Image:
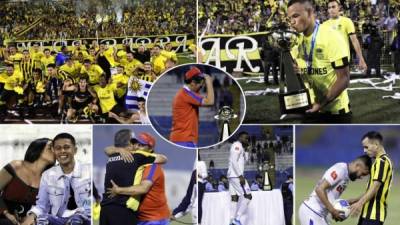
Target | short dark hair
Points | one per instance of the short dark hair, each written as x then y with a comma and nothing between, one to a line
35,149
87,61
52,65
365,159
243,133
46,49
122,138
64,136
141,99
300,1
373,135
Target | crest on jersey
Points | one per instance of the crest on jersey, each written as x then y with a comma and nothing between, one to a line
319,53
334,175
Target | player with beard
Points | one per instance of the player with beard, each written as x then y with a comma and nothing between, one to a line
316,207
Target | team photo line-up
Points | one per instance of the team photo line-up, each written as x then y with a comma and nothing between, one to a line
222,112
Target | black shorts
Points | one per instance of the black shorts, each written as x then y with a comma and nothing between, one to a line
79,105
363,221
117,109
7,95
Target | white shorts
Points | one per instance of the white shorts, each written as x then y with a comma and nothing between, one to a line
235,188
307,216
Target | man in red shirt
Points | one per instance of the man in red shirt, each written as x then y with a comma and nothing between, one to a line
185,107
153,209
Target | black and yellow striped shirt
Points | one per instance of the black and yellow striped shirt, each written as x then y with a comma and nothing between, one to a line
26,67
381,171
147,77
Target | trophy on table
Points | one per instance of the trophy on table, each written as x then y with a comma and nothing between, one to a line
225,114
295,99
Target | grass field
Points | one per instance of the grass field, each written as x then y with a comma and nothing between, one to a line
306,178
187,219
367,105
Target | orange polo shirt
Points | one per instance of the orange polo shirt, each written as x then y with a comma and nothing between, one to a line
154,206
185,116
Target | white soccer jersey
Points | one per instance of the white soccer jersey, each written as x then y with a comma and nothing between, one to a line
338,177
237,158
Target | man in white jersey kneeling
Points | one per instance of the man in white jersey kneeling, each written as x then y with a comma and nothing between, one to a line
238,186
315,209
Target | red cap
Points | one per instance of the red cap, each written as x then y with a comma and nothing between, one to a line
194,71
146,139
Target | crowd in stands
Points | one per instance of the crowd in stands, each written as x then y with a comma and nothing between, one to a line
83,19
246,16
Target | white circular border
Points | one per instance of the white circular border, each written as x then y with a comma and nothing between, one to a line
203,64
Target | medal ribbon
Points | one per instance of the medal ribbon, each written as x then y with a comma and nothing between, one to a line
309,57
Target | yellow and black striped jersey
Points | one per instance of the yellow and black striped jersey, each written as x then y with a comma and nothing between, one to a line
147,77
381,171
26,66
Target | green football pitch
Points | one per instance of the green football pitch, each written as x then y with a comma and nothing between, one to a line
306,178
187,219
367,105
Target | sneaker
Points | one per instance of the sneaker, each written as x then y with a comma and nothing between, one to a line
236,222
13,112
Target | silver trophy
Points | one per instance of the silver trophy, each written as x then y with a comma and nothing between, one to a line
225,114
293,95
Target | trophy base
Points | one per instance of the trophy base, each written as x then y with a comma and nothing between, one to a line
295,102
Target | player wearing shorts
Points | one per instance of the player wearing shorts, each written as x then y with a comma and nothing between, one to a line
185,107
314,210
82,97
238,186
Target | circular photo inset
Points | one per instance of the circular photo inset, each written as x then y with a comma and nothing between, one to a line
196,105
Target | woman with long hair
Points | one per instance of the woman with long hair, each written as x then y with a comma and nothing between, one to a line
20,179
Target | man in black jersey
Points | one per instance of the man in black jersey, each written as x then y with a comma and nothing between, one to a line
82,97
114,210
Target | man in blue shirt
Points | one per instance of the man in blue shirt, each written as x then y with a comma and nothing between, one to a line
62,56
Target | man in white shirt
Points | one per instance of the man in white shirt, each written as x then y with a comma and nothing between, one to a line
315,208
238,185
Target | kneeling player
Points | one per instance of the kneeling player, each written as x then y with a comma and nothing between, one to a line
82,97
315,209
